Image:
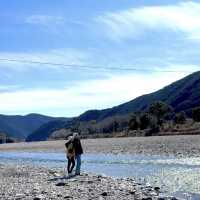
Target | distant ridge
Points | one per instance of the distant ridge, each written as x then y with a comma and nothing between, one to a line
20,127
43,132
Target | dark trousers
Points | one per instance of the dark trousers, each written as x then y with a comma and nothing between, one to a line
71,164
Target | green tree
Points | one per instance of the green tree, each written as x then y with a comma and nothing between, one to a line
115,126
145,120
180,118
159,110
134,123
196,114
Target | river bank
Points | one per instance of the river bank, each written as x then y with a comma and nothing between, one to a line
183,145
167,162
35,183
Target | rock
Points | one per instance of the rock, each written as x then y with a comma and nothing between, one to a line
156,188
146,198
90,182
104,194
153,193
39,197
61,184
19,196
68,197
173,198
132,192
44,192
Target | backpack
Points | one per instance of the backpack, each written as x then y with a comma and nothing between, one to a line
70,150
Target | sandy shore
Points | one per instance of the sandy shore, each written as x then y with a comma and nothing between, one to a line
35,183
185,145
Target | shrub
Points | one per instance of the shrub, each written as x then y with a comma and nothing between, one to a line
180,118
145,120
159,110
196,114
134,123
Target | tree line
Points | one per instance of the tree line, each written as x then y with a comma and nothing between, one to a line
157,114
147,123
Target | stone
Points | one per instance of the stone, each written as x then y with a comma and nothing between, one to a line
61,184
90,182
104,194
44,192
156,188
68,197
132,192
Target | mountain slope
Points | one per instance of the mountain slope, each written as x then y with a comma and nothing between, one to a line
46,129
21,126
182,95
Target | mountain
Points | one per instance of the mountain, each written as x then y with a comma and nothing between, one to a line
17,126
43,132
182,95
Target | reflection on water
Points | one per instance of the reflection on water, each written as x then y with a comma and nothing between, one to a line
174,175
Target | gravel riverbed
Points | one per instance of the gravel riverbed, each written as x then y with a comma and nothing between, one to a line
35,183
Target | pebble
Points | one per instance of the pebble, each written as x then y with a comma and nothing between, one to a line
104,194
61,184
68,197
37,198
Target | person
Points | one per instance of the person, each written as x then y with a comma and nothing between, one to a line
78,152
70,154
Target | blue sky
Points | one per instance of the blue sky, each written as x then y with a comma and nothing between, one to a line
156,35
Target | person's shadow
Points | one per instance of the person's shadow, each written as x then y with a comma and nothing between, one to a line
62,178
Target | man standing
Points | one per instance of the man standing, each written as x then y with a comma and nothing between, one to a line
78,152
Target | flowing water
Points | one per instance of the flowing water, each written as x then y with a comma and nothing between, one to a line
175,176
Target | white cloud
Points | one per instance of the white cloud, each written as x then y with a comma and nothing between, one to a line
93,94
183,17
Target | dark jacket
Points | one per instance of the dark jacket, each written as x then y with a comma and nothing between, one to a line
78,146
